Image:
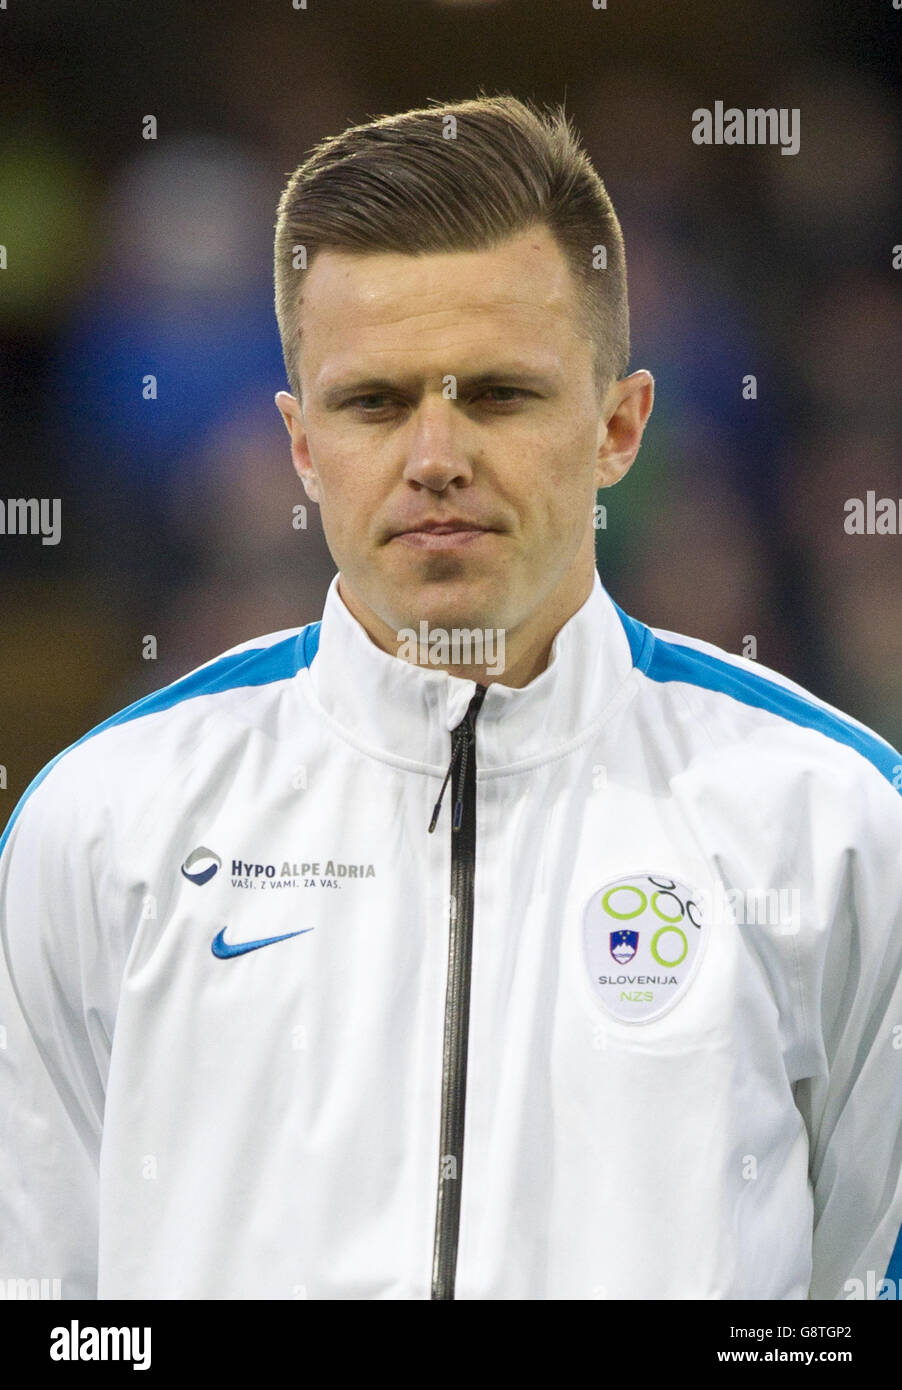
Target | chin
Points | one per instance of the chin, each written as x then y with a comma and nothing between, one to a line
462,620
441,593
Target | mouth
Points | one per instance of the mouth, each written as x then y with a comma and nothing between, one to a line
443,537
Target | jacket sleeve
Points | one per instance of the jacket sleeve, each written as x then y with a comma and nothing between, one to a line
54,1040
854,1109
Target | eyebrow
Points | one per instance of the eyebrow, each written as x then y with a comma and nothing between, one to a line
512,374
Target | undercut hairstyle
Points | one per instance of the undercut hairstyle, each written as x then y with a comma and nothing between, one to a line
461,176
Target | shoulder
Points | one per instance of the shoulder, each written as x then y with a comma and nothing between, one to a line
190,720
758,716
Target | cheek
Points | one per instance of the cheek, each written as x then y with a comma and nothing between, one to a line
351,499
341,478
564,493
568,473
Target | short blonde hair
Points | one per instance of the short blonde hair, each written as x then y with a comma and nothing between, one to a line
399,184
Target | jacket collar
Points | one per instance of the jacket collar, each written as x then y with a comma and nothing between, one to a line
401,712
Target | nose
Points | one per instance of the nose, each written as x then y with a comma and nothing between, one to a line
436,444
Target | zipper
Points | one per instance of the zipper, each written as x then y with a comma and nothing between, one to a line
457,996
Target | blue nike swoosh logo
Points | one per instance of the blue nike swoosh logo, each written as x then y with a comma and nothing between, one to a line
223,951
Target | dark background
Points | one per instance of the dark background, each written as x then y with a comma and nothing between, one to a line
129,256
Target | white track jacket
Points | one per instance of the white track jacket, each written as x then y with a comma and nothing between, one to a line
626,1024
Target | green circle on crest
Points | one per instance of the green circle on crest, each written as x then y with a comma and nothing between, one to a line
663,915
624,888
669,964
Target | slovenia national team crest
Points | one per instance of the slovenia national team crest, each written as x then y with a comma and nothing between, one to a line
643,936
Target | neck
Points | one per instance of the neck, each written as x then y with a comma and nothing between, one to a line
513,657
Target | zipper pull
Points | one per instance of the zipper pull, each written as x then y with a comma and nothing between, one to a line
460,738
438,804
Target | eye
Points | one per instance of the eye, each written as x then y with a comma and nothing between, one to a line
371,403
504,394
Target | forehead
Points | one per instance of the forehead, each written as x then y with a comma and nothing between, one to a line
390,303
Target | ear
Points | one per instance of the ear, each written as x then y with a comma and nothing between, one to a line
293,416
627,406
288,407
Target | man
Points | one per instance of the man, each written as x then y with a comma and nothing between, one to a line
478,941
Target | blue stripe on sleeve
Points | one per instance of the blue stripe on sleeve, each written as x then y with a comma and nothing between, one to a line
894,1268
665,661
256,666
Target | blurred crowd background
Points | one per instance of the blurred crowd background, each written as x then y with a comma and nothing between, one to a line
129,256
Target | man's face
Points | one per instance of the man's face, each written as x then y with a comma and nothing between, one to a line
451,388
